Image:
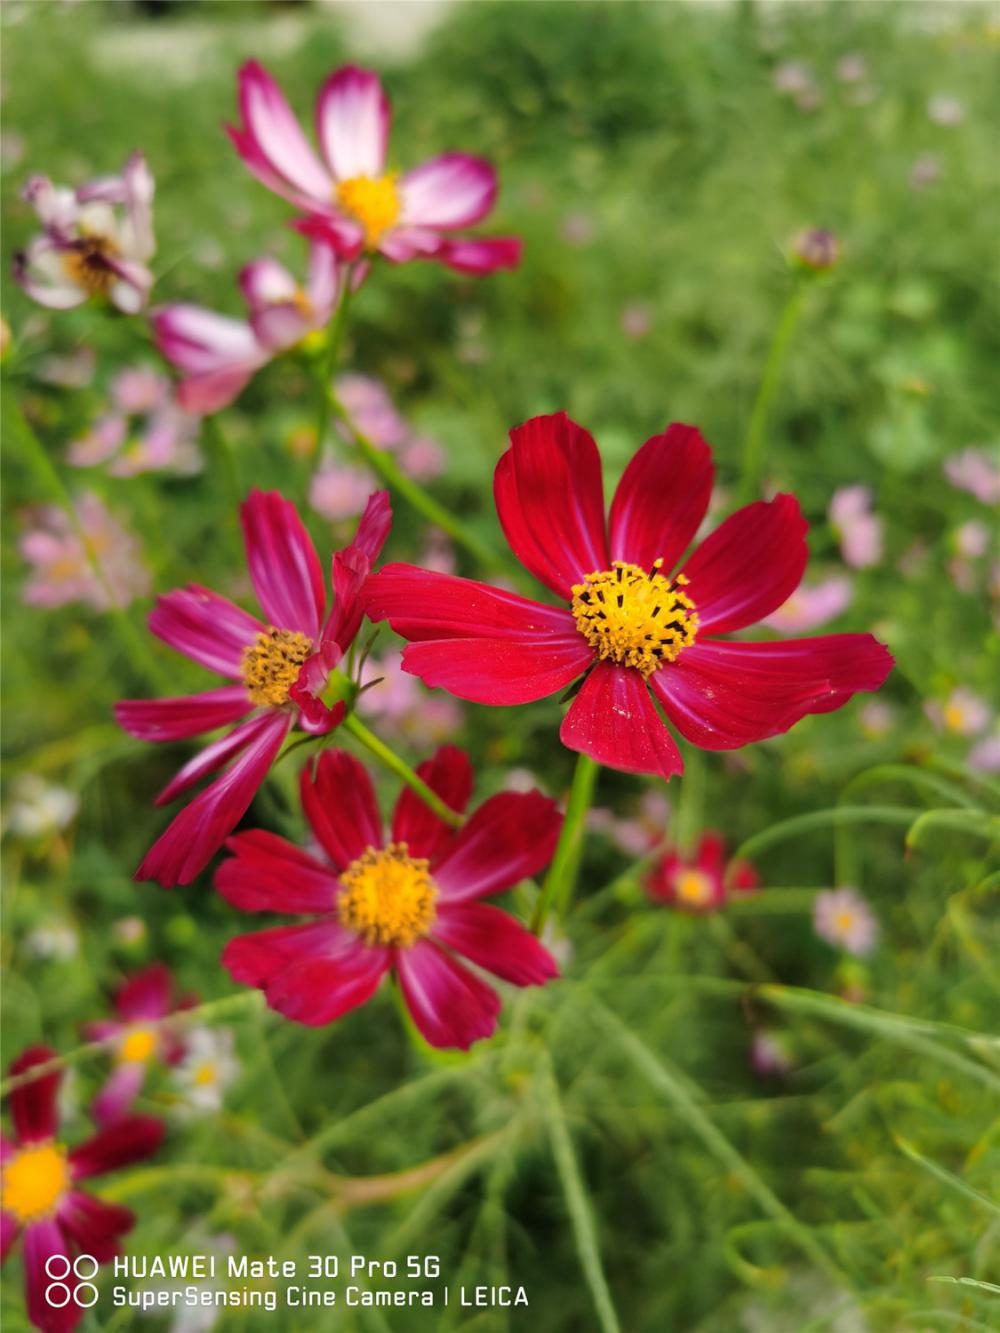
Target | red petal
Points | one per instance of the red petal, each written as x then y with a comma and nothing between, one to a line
749,566
148,994
339,801
268,874
449,775
480,255
495,941
212,756
352,566
115,1099
208,628
422,604
550,501
42,1240
723,695
499,671
33,1105
189,715
284,566
661,498
450,1006
711,853
614,720
121,1144
509,838
96,1226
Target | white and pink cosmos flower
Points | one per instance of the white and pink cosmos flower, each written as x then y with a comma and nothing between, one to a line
858,527
96,241
349,198
143,430
843,918
218,356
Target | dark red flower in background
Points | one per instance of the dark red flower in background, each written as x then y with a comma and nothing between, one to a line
633,630
699,881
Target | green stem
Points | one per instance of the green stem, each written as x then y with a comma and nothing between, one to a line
328,363
559,882
843,814
133,642
402,770
224,453
753,448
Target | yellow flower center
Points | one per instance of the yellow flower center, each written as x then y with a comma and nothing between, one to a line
138,1047
271,665
373,201
34,1181
205,1075
86,264
637,619
693,888
844,922
954,716
388,896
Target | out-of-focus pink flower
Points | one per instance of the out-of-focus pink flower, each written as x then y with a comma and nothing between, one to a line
635,320
640,832
349,198
404,707
876,718
373,412
817,248
857,527
340,491
843,918
438,553
61,570
985,757
972,539
578,229
962,713
770,1056
699,883
852,68
927,170
793,76
422,458
96,241
975,471
812,605
75,370
945,110
217,356
145,431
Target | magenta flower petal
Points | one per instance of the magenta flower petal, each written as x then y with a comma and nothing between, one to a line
121,1144
749,565
115,1098
148,994
353,117
661,499
253,959
189,715
450,1006
449,775
614,720
33,1105
266,873
352,566
265,282
509,838
188,844
480,256
339,801
499,671
275,136
344,236
211,758
42,1240
453,190
206,627
318,990
199,341
95,1226
495,941
211,391
550,501
284,567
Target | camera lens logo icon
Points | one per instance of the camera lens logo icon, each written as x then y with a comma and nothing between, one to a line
59,1292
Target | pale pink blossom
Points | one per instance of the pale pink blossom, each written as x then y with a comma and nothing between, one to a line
945,110
61,570
876,718
635,320
578,229
793,76
852,68
927,170
812,605
985,756
145,430
376,417
340,491
642,830
962,713
770,1055
844,919
976,471
972,539
406,708
858,529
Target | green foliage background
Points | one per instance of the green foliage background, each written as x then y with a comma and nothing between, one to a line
598,1173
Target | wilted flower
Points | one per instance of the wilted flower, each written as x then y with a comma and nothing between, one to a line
406,904
281,668
976,471
945,110
145,431
812,605
962,713
61,569
844,919
135,1038
627,625
38,809
97,241
40,1194
207,1069
857,527
816,249
699,881
351,201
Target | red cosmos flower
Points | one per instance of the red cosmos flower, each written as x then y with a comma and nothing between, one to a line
629,626
142,1001
352,202
407,904
280,668
40,1195
700,881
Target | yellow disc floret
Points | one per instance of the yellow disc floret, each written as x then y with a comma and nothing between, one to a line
34,1181
637,619
693,888
138,1047
271,665
86,264
388,896
373,201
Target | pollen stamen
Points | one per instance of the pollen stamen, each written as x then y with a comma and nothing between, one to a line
373,201
34,1180
635,618
87,265
388,896
271,665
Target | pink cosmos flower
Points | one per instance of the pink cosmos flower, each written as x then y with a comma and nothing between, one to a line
985,756
42,1201
812,605
145,430
844,919
96,241
140,1003
641,831
699,882
279,667
218,356
859,530
61,570
406,902
962,713
351,201
403,707
339,491
770,1056
626,625
976,471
